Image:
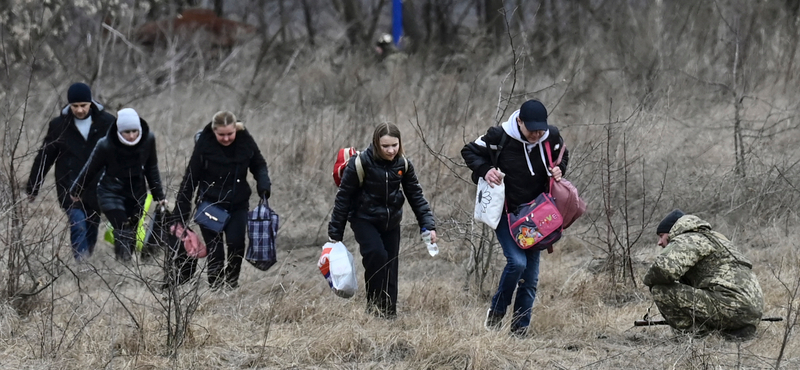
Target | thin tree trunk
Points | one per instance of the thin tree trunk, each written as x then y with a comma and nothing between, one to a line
218,7
351,11
309,22
411,26
494,20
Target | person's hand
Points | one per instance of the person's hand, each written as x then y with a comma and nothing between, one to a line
162,205
494,177
433,236
74,198
31,198
556,171
331,240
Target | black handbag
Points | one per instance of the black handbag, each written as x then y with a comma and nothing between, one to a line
211,216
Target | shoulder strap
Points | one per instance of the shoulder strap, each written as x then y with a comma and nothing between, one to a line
550,161
496,150
560,154
716,242
405,164
359,169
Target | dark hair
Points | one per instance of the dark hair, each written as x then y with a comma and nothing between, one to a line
382,130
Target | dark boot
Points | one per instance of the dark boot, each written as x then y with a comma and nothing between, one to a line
739,334
216,279
124,240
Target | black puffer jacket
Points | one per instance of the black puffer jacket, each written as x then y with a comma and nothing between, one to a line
521,186
123,169
379,199
65,147
220,173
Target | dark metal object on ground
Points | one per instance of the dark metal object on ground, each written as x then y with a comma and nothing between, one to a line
664,322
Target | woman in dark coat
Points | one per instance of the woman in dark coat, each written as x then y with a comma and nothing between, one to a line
223,153
374,206
125,159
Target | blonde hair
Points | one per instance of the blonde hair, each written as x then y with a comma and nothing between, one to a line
384,129
225,118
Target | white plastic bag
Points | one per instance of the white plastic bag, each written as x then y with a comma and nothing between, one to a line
489,203
336,264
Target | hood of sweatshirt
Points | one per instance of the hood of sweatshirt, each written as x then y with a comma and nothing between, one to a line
512,129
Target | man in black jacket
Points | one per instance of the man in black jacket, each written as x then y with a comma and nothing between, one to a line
70,139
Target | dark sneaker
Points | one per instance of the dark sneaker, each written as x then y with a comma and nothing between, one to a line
216,284
231,285
739,335
494,321
520,332
381,313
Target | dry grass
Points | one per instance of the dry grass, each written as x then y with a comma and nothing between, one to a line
287,318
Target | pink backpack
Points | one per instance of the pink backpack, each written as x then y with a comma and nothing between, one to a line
565,194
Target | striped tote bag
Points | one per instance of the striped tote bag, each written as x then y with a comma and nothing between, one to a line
262,228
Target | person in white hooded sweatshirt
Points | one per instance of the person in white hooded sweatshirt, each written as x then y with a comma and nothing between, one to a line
125,159
523,166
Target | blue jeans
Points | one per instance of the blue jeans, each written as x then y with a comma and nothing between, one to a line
521,273
82,232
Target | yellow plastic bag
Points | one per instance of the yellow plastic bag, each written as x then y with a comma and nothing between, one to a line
142,229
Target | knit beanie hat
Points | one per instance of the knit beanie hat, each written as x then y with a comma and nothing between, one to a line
666,224
128,119
79,93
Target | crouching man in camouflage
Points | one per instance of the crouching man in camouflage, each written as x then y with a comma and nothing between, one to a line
701,282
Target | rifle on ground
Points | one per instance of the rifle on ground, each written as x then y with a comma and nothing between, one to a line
664,322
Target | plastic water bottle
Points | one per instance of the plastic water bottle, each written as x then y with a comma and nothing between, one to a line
433,249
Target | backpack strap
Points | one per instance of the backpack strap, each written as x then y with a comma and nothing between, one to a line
495,154
359,169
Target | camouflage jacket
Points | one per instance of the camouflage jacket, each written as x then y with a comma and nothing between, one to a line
704,259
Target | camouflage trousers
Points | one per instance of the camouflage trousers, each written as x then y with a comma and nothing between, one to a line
689,309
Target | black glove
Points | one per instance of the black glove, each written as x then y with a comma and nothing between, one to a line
264,194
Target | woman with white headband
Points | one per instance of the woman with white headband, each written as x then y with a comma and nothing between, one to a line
127,164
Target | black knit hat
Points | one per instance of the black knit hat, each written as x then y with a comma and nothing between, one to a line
666,224
79,93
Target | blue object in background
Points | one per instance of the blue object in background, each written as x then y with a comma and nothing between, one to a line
397,21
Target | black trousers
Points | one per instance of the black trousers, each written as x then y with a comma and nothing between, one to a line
124,222
379,255
235,233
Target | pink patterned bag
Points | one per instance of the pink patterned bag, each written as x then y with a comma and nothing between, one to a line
536,224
